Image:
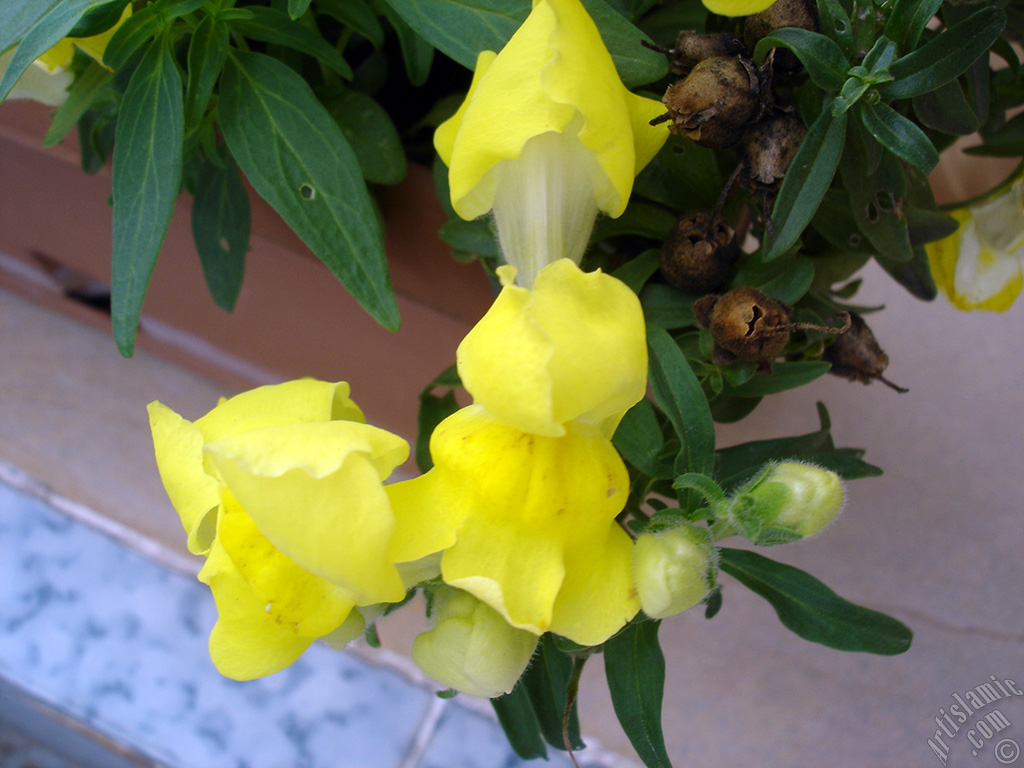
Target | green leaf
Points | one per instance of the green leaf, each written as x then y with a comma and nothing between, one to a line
835,22
49,24
146,178
99,19
821,56
729,410
637,271
944,57
433,410
357,15
519,721
221,222
638,438
915,275
736,463
206,56
786,278
462,29
908,20
280,135
946,110
642,219
476,236
899,135
371,134
81,95
172,9
682,176
812,610
297,7
848,466
635,668
667,307
678,392
417,53
131,36
807,180
876,196
547,681
273,26
783,376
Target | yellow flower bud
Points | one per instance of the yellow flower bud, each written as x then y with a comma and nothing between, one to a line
471,648
673,569
573,348
797,497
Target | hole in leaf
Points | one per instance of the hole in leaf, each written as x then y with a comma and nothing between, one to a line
871,212
854,240
886,201
840,26
307,192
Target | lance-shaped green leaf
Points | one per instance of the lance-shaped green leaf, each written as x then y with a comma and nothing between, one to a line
547,684
807,180
946,110
297,7
99,19
635,668
639,440
876,196
915,275
907,21
371,134
16,19
461,30
273,26
131,36
355,14
820,55
519,721
220,227
944,57
81,95
50,25
812,610
206,56
899,135
146,177
298,160
417,52
783,376
678,392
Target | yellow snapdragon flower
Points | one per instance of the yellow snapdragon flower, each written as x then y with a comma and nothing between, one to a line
547,136
572,348
282,488
526,523
979,265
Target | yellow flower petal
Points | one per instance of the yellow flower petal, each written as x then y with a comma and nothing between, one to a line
179,457
979,265
246,642
297,600
737,7
573,348
538,541
553,69
315,491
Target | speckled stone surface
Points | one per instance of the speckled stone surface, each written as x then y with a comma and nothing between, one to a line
117,643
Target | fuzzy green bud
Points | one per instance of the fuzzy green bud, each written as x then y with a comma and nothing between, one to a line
471,648
792,500
673,569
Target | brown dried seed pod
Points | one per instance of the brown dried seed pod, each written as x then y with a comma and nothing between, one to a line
691,48
781,13
699,253
715,102
769,147
856,355
748,325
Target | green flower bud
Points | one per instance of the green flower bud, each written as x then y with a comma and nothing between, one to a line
673,569
471,648
792,500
